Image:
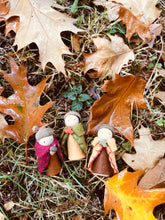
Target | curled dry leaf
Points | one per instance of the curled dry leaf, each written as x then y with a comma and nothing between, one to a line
114,107
128,200
23,106
148,151
132,22
12,24
41,24
154,177
109,57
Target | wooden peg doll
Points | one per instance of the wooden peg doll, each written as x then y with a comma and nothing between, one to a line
48,151
102,160
73,137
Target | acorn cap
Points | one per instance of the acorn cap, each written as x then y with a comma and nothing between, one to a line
105,126
72,113
43,132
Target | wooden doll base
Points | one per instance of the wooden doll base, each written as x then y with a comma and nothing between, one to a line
74,151
101,165
54,166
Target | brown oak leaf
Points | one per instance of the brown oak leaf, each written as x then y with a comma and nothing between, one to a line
114,107
109,57
130,201
23,106
132,22
148,151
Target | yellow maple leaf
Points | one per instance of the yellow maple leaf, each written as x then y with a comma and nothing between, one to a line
128,200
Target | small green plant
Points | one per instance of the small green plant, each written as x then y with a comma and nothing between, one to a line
74,7
153,62
160,122
75,94
117,28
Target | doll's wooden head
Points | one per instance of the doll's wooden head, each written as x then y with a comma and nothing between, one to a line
44,136
72,118
105,132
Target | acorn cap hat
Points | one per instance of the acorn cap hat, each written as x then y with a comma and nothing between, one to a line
72,113
44,132
105,126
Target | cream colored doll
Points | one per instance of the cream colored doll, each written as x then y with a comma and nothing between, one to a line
73,137
102,160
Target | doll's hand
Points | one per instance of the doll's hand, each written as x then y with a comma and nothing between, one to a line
53,150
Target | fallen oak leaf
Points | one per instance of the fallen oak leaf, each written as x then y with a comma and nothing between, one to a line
114,107
109,57
128,200
145,10
23,106
155,177
134,25
41,24
132,22
148,151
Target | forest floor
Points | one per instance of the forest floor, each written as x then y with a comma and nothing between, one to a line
75,192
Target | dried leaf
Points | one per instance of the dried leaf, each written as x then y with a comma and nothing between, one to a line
23,106
145,10
4,7
114,107
9,205
128,200
148,151
75,42
109,57
12,24
134,25
161,72
132,22
161,95
154,177
155,30
2,217
3,122
41,24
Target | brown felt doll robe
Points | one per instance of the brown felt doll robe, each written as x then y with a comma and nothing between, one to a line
102,160
73,137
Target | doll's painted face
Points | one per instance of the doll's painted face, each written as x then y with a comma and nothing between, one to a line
71,120
46,141
104,133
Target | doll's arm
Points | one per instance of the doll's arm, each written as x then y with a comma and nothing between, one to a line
112,144
53,150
